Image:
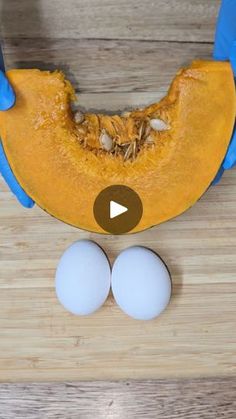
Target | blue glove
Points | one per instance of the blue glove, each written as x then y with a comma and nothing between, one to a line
7,100
225,49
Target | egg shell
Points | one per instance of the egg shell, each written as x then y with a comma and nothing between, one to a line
141,283
83,278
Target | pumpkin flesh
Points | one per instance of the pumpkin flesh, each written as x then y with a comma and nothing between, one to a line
61,165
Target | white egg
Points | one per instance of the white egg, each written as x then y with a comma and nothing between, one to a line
83,278
141,283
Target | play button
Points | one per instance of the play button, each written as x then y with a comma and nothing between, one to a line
118,209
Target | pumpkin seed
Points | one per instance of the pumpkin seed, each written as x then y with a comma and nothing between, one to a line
79,117
147,131
149,140
158,125
106,141
134,150
125,114
142,130
129,152
124,145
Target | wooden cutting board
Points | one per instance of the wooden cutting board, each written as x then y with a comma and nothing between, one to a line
194,337
119,61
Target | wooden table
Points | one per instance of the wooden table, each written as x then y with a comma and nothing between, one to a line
118,55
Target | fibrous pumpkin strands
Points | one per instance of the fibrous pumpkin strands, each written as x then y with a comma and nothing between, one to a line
124,126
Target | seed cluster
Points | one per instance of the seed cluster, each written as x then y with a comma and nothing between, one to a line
127,150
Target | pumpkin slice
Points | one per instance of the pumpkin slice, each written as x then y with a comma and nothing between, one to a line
169,153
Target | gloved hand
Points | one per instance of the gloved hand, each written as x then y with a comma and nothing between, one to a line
7,100
225,49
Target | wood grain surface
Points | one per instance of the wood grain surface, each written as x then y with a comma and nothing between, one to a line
105,66
118,54
194,337
180,20
195,399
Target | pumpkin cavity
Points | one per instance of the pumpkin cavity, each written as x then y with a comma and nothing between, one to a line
120,136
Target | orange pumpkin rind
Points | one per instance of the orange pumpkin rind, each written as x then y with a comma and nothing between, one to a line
63,164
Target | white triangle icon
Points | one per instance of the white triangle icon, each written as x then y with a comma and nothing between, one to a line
116,209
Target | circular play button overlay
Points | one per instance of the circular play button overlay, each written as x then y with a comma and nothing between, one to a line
118,209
